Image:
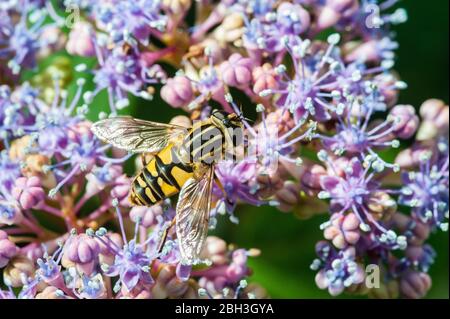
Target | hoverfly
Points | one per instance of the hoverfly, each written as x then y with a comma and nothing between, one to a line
183,162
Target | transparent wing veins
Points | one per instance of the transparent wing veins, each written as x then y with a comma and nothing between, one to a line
192,216
137,136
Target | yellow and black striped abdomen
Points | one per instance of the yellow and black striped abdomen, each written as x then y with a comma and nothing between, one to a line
163,177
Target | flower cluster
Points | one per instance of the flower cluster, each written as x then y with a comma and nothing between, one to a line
328,136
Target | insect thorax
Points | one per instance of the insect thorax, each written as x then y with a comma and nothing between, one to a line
208,143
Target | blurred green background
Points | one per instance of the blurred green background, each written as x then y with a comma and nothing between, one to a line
287,243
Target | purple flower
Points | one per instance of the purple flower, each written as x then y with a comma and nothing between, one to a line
307,92
258,8
426,192
125,21
338,270
121,73
354,136
50,124
132,261
131,265
49,269
92,287
20,43
17,110
355,192
210,86
237,180
421,257
10,172
10,213
266,144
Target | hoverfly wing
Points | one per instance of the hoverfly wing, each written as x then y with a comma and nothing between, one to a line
137,136
192,216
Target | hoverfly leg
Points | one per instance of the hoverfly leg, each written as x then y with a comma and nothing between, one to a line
164,236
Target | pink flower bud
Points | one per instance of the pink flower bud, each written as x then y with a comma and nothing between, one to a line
435,116
18,268
237,71
419,232
312,176
167,284
288,196
280,120
415,253
264,78
83,250
178,91
343,230
53,39
334,10
28,192
268,184
415,285
81,40
238,267
121,189
147,216
7,249
406,121
215,249
33,250
214,285
434,110
411,157
107,256
386,84
366,51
